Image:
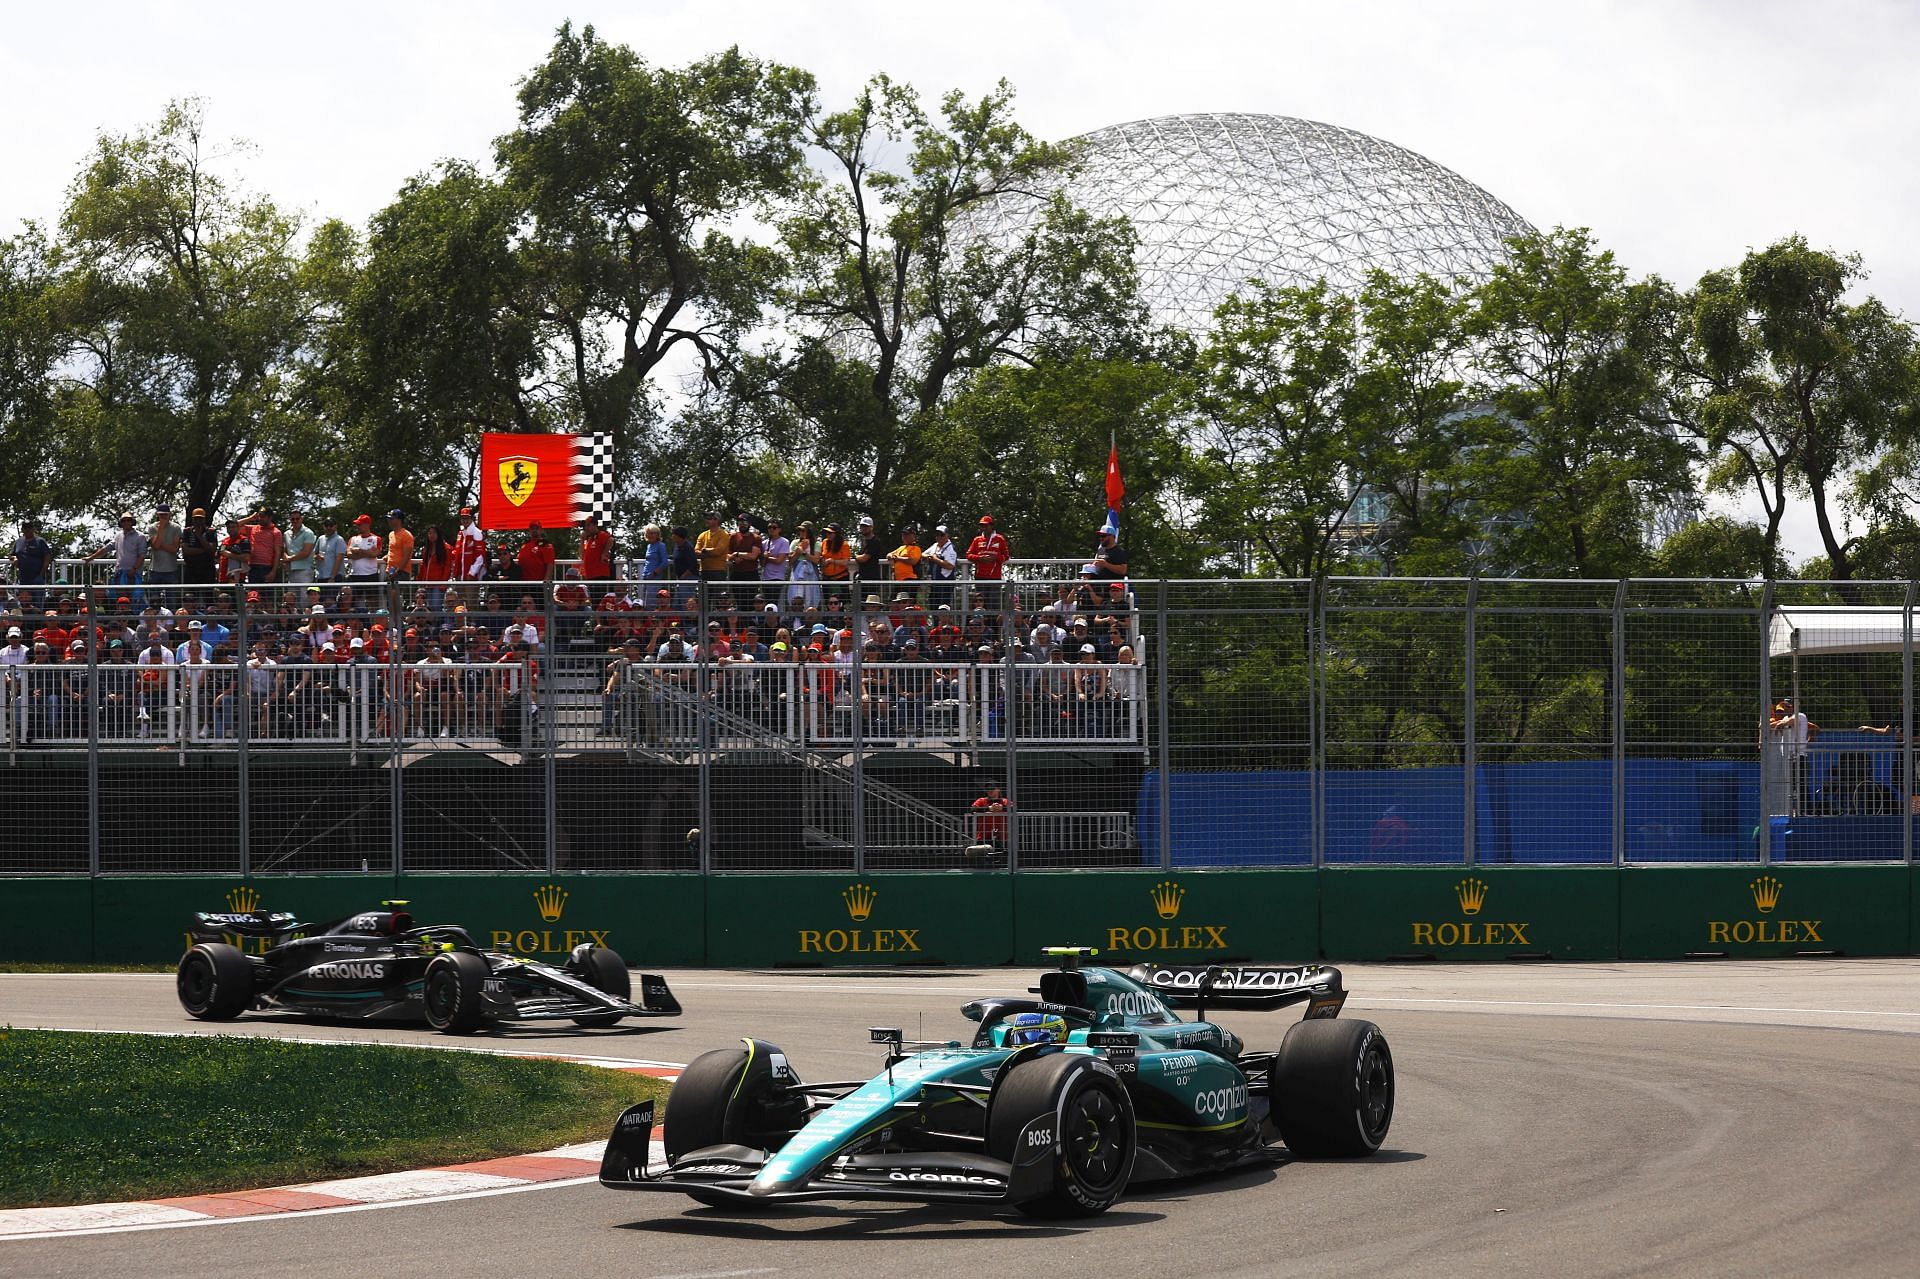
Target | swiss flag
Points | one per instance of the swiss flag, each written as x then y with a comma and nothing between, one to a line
524,478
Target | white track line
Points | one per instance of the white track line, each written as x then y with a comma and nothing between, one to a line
1371,1000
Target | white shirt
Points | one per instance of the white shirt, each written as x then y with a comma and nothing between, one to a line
14,654
363,552
260,674
946,560
770,571
148,657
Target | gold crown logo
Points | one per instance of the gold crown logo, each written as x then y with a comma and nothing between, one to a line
1472,894
859,899
243,900
1167,896
551,899
1766,893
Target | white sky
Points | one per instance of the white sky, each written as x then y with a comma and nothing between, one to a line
1682,133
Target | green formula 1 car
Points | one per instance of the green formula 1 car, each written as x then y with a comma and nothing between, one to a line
1056,1107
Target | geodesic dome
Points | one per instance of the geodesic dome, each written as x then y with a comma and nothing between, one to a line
1218,200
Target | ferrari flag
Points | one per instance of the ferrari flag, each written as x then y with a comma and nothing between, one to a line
1115,489
553,480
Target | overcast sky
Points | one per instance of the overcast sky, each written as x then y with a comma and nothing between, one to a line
1683,134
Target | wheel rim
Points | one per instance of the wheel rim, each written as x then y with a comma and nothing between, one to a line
1376,1094
1095,1138
196,983
442,998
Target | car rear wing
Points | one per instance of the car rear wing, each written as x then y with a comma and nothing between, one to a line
213,926
1247,986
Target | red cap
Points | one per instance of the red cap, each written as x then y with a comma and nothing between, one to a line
986,519
466,510
253,597
363,519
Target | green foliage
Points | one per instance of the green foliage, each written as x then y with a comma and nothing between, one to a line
89,1117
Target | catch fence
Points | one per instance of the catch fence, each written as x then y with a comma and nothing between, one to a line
603,726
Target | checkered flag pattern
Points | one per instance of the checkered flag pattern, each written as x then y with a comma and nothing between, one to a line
593,478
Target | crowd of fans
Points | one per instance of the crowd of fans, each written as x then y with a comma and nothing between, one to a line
455,629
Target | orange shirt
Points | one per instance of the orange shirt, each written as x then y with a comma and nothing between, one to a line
399,551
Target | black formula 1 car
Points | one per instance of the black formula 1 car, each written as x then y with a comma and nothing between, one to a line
380,966
1056,1107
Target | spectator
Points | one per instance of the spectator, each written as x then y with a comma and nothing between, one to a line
596,551
712,548
1109,557
656,561
1787,735
236,549
297,556
836,557
990,816
330,552
988,553
31,557
1091,696
683,566
399,547
744,552
941,565
363,552
621,695
905,558
866,555
129,547
535,556
803,566
469,549
1391,834
776,555
436,565
438,695
163,550
199,550
266,544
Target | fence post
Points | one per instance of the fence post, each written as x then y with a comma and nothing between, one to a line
395,706
1317,718
1470,748
550,720
243,732
93,739
856,707
1905,786
1766,739
1619,834
703,721
1010,730
1163,719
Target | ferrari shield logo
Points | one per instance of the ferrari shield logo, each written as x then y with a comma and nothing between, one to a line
518,475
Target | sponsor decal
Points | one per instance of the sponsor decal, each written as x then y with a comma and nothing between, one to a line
550,901
948,1178
713,1168
640,1116
1039,1137
1471,894
244,899
860,900
518,475
1167,897
242,904
1221,1104
344,970
1232,978
1767,893
1134,1003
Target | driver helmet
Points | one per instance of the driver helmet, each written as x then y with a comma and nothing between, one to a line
1035,1028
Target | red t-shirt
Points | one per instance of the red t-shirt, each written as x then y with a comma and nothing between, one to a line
987,824
535,559
596,557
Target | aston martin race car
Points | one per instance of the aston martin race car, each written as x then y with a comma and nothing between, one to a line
1056,1106
380,966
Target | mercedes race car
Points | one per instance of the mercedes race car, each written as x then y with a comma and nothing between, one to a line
1056,1107
380,966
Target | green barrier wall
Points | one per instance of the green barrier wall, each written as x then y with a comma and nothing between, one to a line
957,917
1193,917
1748,911
653,921
46,920
143,920
1570,912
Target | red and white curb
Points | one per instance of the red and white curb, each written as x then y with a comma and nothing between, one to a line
561,1166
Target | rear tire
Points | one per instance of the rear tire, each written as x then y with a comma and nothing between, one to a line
708,1107
1332,1089
451,992
214,982
1097,1139
603,969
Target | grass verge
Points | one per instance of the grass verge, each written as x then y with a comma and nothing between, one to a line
86,1118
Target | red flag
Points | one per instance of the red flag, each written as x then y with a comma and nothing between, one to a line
1115,489
524,478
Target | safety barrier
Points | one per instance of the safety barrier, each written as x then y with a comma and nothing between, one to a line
974,918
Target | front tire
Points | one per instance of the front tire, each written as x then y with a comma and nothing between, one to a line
712,1104
451,992
604,970
1097,1138
1332,1089
214,982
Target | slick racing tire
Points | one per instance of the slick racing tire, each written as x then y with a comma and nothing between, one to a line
215,982
712,1105
1097,1135
1332,1088
451,993
603,969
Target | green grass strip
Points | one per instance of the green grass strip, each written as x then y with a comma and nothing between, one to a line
87,1118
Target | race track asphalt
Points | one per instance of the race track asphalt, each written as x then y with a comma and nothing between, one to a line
1705,1119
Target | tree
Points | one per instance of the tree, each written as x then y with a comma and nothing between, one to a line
29,350
1280,462
898,296
630,178
1578,451
180,318
1795,384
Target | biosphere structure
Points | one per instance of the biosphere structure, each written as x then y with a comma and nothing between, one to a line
1221,199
